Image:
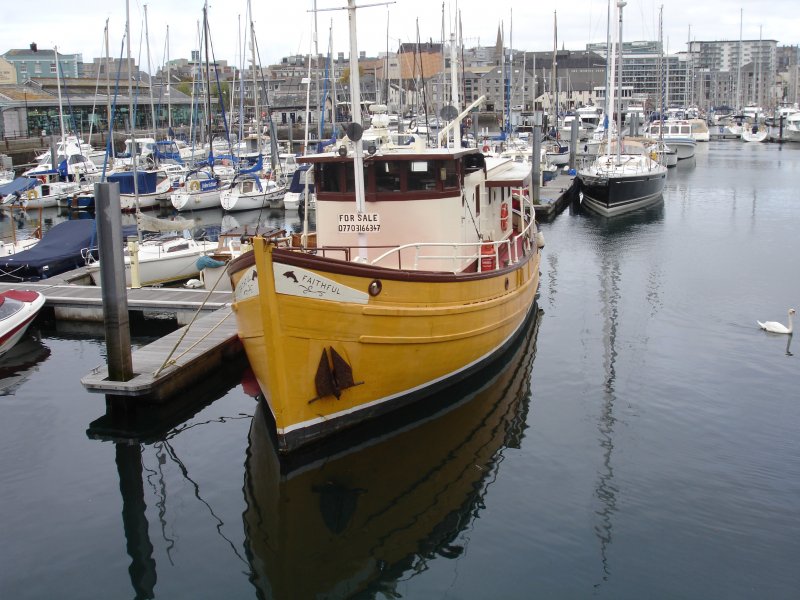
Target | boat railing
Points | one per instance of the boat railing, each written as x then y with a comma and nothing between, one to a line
488,254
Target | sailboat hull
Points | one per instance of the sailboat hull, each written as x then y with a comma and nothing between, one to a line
616,195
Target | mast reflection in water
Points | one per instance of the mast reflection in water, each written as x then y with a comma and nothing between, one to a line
358,519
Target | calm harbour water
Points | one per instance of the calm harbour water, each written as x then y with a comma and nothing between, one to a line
640,443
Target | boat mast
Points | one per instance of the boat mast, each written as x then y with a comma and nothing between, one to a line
134,149
355,101
620,4
454,85
108,86
169,94
255,80
60,117
739,71
150,75
208,89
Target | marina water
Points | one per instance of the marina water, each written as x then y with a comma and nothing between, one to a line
640,442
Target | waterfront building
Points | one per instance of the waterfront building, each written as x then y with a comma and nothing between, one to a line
39,63
734,72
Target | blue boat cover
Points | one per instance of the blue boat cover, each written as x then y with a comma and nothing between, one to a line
59,250
147,181
20,184
297,184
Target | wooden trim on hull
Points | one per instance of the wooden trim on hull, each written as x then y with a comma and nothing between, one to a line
303,435
340,267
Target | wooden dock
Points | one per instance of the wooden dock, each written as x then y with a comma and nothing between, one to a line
168,365
555,196
85,302
175,361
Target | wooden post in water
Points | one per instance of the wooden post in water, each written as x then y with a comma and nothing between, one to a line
112,275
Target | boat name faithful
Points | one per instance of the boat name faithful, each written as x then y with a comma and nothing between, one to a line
295,281
359,223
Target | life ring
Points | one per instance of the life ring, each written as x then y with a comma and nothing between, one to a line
42,178
485,148
194,185
32,194
653,155
504,216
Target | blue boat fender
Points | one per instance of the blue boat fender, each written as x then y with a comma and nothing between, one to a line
207,262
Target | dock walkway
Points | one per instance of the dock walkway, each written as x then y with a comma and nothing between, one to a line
85,302
175,361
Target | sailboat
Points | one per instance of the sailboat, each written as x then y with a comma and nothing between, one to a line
421,272
201,185
625,175
248,189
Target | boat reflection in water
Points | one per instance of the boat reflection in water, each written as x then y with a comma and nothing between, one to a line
356,519
20,362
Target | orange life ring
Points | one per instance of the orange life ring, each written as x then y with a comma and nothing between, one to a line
504,216
485,148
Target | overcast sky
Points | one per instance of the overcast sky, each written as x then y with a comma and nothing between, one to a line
284,27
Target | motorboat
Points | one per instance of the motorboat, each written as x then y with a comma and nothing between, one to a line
18,309
676,133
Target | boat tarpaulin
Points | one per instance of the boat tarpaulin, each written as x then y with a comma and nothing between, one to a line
20,184
63,248
147,181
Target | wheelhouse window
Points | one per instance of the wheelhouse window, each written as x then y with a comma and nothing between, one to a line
388,176
422,175
329,177
449,175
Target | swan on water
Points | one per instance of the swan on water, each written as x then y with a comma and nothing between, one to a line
775,327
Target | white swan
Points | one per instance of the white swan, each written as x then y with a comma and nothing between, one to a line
775,327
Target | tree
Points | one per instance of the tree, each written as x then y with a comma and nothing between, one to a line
345,78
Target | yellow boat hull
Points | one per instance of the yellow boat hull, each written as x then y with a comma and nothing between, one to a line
404,335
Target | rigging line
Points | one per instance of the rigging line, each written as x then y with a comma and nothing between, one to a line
169,359
96,90
185,472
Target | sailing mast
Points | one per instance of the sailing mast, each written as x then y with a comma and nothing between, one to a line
169,94
150,77
255,79
739,70
60,118
134,148
620,4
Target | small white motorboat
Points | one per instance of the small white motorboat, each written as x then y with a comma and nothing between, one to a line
18,309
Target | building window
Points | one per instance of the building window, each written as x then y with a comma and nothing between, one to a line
23,69
53,68
37,69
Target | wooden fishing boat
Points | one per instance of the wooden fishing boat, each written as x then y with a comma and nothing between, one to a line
396,300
